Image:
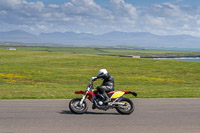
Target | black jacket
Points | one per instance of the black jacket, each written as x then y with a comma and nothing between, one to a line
108,80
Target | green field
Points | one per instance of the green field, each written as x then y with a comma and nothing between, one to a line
107,51
42,74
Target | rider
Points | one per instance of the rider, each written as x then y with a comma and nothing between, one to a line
107,85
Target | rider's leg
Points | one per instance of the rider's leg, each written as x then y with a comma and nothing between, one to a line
103,90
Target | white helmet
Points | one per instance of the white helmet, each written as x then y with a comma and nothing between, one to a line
102,71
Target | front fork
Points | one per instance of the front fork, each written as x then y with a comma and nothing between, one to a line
84,97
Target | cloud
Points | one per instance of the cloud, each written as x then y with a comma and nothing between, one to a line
168,18
88,16
85,9
53,6
11,4
21,11
20,4
3,13
123,9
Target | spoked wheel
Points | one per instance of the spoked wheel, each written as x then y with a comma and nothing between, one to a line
75,106
127,108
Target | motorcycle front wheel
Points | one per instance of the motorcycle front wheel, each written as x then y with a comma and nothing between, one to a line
75,106
127,108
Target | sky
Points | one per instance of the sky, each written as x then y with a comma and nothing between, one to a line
161,17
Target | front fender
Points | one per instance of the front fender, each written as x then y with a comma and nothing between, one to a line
80,92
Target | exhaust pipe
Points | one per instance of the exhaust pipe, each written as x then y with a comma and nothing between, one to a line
118,103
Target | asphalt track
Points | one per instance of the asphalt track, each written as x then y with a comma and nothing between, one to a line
53,116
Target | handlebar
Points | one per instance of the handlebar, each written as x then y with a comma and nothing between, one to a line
90,85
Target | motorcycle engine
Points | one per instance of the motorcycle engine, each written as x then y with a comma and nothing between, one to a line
100,103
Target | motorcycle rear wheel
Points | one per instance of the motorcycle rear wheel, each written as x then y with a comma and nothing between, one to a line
126,109
75,106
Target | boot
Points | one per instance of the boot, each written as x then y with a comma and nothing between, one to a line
93,106
107,99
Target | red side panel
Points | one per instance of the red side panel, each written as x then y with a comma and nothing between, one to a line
131,92
127,92
112,92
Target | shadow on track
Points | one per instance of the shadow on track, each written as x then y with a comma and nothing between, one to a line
90,113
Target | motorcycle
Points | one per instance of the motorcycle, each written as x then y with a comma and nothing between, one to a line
122,105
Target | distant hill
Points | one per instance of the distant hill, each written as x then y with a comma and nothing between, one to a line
17,36
141,39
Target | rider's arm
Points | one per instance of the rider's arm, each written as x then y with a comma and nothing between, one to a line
94,78
97,77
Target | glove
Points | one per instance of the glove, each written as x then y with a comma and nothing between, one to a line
93,78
